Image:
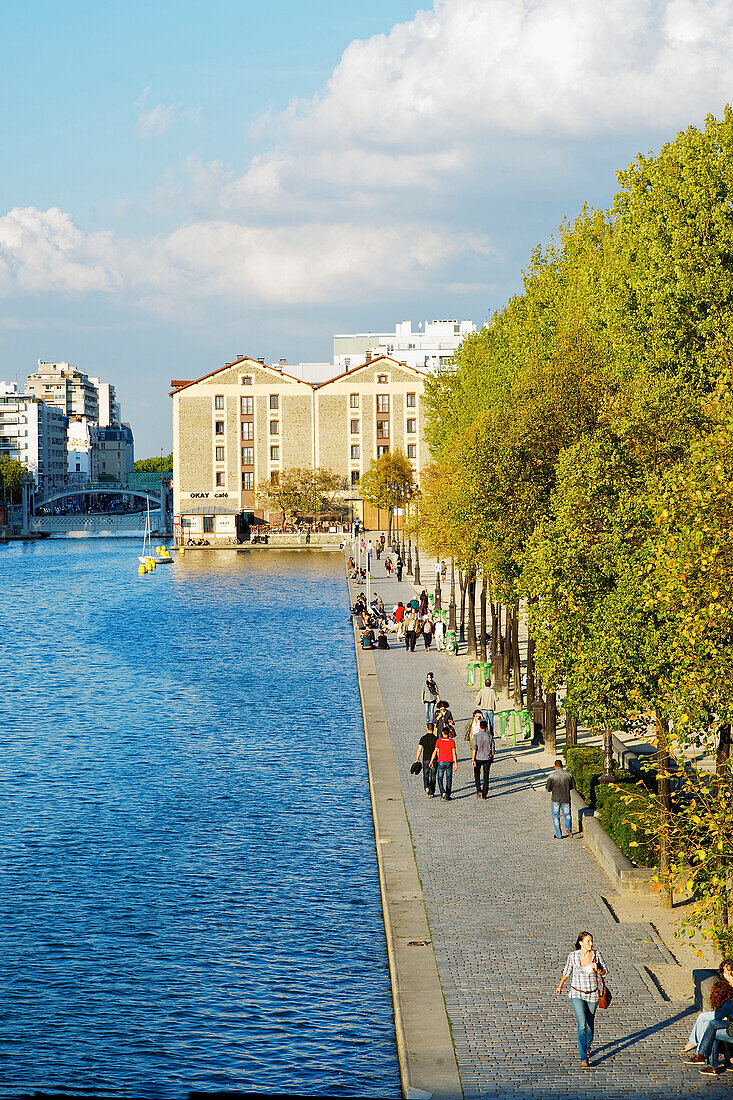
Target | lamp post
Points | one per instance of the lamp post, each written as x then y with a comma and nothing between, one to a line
452,604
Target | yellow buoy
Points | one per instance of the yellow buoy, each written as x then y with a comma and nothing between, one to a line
141,570
182,550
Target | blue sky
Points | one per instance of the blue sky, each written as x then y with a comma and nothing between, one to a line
183,182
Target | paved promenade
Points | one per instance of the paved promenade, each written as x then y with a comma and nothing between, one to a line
505,902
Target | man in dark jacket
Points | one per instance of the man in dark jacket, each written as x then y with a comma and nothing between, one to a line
560,783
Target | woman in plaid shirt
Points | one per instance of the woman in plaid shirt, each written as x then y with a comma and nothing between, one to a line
584,967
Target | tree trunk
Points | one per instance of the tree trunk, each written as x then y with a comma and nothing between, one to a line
494,631
482,639
551,723
665,805
516,659
499,632
471,591
530,672
722,754
507,650
389,528
571,731
462,586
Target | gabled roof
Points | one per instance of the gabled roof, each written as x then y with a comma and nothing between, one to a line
370,363
179,385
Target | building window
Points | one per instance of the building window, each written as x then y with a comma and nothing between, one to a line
248,481
383,429
247,405
219,454
274,454
411,400
219,401
382,451
353,400
382,378
208,525
412,425
382,402
219,427
355,477
354,427
456,330
412,450
355,450
248,429
246,379
248,456
274,427
274,401
220,477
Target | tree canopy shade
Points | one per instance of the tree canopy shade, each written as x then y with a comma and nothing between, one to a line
300,491
153,464
389,482
583,453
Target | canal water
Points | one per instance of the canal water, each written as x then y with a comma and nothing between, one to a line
189,897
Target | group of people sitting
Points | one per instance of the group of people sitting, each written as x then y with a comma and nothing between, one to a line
711,1031
407,622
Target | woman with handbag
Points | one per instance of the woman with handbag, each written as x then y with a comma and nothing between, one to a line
586,969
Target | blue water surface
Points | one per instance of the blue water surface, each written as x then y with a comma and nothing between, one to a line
189,897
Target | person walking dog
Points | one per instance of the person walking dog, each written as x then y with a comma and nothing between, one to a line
585,968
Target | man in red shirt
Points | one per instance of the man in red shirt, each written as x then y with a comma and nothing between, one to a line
445,754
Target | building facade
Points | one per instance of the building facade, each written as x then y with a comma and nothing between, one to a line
65,387
35,434
430,348
238,427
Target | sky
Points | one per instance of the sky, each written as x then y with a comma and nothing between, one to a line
184,182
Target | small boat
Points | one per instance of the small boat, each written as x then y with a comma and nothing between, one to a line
147,550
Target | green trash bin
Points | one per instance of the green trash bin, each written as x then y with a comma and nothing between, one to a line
471,673
512,725
451,642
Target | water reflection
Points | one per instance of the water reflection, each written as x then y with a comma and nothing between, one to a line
189,892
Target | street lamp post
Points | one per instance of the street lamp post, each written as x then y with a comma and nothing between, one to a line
452,604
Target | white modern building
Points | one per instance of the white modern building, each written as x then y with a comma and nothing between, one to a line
33,433
430,348
65,387
81,455
110,414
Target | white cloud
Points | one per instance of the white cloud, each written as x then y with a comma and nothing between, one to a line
44,251
158,119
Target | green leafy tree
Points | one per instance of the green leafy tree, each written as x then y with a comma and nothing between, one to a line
388,483
12,475
152,464
300,491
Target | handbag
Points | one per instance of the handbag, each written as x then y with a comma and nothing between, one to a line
416,768
604,994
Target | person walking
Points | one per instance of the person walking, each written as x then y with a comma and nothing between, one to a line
560,783
584,967
398,568
440,635
410,630
444,755
427,631
482,757
487,701
423,606
430,697
425,749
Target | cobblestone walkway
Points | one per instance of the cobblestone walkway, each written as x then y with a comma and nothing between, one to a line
505,903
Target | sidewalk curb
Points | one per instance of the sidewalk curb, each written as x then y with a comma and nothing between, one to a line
428,1065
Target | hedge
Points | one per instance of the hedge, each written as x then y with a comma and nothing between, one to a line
585,764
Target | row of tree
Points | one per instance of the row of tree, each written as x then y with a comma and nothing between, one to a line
584,466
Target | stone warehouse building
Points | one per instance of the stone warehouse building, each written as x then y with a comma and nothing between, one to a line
242,424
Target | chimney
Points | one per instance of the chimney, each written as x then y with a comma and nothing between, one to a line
283,362
368,357
240,355
262,360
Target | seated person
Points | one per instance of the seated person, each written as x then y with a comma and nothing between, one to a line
382,642
367,638
721,995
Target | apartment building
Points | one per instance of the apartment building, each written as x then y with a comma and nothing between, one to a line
237,427
35,434
65,387
428,348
